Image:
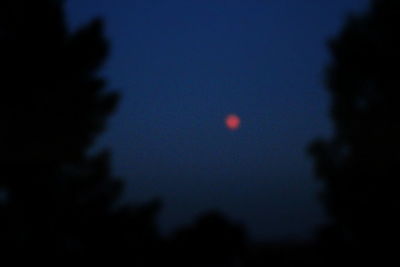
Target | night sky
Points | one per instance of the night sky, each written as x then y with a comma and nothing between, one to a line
181,67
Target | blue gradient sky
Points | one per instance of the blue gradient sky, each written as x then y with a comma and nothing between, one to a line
181,67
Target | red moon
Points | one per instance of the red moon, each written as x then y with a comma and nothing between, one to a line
232,122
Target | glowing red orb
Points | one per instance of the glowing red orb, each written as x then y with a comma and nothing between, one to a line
232,122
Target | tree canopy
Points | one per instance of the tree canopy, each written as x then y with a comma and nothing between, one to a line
359,165
59,199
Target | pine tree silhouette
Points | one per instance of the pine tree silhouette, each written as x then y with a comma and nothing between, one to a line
57,199
360,165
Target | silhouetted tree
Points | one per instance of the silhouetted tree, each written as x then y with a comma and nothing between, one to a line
360,164
57,198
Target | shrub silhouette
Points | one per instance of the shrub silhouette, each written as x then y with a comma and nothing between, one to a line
211,240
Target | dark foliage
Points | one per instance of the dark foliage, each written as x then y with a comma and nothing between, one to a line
360,164
57,199
211,241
